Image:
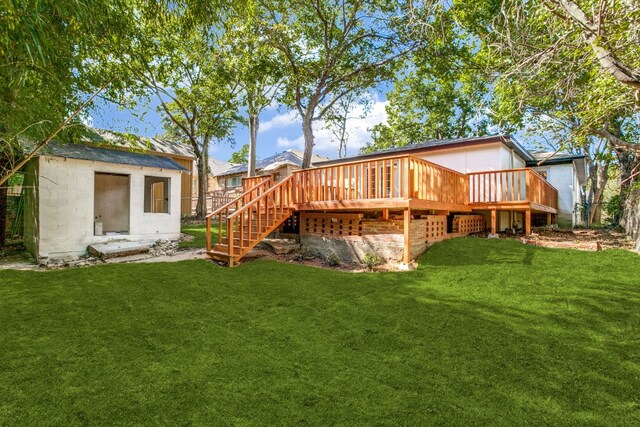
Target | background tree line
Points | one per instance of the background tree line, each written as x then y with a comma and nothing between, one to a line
566,70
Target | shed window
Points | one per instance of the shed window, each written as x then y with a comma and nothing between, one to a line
156,194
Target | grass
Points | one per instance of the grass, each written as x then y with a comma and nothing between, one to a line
199,233
484,332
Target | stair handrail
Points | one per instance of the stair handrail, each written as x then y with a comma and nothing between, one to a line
232,218
263,183
261,196
252,189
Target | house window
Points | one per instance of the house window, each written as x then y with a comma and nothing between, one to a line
156,194
235,181
543,174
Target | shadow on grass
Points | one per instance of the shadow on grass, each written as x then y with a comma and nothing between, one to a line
539,337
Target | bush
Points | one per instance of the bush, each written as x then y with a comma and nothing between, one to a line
303,253
333,260
614,208
371,259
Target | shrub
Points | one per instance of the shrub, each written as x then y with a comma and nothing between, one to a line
371,259
303,253
333,260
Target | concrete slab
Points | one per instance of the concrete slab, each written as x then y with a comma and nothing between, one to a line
119,249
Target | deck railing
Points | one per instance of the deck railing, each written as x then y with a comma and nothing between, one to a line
403,177
252,181
511,186
223,212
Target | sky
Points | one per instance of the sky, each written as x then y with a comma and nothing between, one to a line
280,128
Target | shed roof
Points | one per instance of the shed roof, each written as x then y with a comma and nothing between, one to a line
105,155
137,143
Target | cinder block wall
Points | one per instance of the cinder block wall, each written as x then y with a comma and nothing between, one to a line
66,205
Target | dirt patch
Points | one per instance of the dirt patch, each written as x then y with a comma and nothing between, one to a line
317,261
582,239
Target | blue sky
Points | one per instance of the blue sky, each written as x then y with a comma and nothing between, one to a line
279,128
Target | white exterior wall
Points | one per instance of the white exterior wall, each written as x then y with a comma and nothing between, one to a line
467,159
66,204
485,157
565,179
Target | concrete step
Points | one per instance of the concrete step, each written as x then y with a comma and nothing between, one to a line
118,249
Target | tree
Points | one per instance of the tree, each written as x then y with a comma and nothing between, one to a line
335,48
338,116
443,93
53,54
256,68
179,63
241,156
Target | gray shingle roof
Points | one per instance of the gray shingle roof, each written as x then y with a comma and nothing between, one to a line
290,157
508,140
553,158
136,143
105,155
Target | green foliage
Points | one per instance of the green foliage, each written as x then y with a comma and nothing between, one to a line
333,260
441,94
483,332
614,208
52,53
241,156
303,253
333,49
371,259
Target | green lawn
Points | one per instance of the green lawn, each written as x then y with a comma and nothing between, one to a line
199,233
484,332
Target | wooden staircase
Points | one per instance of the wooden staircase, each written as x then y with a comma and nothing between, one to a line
250,218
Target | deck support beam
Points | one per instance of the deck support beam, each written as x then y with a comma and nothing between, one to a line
406,256
548,218
493,222
527,222
385,213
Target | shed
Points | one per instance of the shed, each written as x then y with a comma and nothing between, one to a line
78,195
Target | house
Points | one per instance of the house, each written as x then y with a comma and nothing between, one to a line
216,167
178,151
79,195
394,202
280,166
567,173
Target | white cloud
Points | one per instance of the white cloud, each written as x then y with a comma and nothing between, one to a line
280,121
358,127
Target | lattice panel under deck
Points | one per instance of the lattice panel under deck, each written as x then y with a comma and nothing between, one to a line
436,227
330,224
468,224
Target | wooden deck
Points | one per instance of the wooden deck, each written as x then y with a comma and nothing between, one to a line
402,184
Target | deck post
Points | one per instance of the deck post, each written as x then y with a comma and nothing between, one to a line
493,221
527,222
385,213
407,236
548,218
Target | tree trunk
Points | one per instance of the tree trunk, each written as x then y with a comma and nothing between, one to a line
203,180
3,214
307,131
599,176
630,195
254,123
631,216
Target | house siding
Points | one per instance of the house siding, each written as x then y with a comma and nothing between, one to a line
564,178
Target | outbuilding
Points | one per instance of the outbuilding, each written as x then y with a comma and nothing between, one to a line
80,195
